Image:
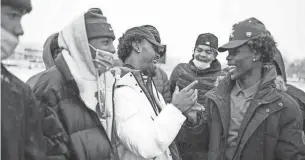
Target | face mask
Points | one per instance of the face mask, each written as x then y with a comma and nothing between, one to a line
8,44
103,58
201,65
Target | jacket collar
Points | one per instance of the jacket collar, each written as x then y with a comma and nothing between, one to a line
221,96
63,68
225,86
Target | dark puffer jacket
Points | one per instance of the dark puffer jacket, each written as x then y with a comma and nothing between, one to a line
271,128
47,59
74,131
162,84
21,121
182,76
185,73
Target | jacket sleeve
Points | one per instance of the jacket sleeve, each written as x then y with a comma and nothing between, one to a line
198,134
138,131
166,88
173,78
291,139
56,138
34,141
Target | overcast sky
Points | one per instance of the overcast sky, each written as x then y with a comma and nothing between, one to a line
179,22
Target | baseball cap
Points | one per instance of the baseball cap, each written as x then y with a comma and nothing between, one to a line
208,39
147,34
156,34
243,31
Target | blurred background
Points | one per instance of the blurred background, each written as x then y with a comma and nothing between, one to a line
179,23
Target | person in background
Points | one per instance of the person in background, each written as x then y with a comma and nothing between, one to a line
161,80
50,52
77,124
205,68
21,119
297,94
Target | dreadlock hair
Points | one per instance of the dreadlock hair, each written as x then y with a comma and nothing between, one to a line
125,45
265,45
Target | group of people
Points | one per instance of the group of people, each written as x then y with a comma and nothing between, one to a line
87,105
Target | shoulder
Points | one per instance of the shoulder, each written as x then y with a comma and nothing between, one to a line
32,80
20,85
51,79
296,92
181,67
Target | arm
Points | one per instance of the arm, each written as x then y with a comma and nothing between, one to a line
34,141
55,136
196,133
291,139
173,79
166,88
137,131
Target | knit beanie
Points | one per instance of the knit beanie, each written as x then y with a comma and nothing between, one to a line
96,24
20,4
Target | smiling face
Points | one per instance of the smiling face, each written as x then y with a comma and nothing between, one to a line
240,62
204,53
147,58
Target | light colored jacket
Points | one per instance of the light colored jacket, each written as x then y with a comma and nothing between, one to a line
141,134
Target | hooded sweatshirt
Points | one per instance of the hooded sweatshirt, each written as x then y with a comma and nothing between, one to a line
76,52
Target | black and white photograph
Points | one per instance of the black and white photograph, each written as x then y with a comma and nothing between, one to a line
152,80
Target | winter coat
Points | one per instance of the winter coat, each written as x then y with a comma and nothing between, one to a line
162,84
21,127
183,75
142,132
271,128
73,130
69,91
47,59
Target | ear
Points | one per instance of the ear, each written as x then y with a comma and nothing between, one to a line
135,46
257,56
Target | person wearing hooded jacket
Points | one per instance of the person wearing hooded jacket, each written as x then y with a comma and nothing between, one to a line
21,118
50,52
249,116
294,92
205,68
77,124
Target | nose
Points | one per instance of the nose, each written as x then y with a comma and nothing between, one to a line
18,30
229,57
112,49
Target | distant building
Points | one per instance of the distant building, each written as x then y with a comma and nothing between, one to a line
28,58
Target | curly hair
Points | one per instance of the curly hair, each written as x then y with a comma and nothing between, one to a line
125,45
265,45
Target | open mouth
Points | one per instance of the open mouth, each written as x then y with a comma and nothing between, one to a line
232,68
